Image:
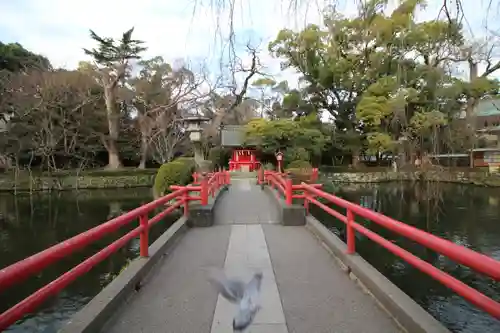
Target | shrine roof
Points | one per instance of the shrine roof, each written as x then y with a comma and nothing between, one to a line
233,136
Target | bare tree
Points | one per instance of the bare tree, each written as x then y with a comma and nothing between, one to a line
50,115
160,95
228,105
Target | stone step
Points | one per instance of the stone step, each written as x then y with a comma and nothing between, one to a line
240,174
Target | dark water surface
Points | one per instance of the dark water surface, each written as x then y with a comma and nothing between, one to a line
465,215
32,223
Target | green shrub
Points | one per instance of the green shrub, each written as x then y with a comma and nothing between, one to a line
188,160
219,156
269,166
300,170
177,172
296,154
299,164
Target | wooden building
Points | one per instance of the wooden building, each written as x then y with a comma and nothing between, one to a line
486,121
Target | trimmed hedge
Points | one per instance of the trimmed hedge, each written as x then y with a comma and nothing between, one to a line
299,164
269,166
300,171
219,156
176,172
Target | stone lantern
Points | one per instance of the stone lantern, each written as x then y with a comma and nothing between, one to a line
193,126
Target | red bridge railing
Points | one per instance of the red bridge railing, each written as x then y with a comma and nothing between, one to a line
21,270
284,184
474,260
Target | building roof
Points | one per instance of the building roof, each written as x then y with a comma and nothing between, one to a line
491,129
488,107
233,136
486,149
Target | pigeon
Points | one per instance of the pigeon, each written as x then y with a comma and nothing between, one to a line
236,292
231,289
248,305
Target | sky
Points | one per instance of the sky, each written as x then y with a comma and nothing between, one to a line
177,29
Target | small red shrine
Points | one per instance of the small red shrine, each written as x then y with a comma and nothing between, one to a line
244,156
244,160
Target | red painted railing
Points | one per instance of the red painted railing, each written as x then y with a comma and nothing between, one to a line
17,272
236,165
284,184
476,261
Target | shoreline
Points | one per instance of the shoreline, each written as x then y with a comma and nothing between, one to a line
477,178
145,178
96,180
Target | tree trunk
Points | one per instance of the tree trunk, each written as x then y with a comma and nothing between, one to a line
355,158
473,75
113,116
113,156
144,152
145,129
212,129
471,102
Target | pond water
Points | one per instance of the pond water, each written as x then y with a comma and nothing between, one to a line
30,224
465,215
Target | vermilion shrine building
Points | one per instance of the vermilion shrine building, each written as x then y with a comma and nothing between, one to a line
243,157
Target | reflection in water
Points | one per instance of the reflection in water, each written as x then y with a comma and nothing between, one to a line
465,215
29,224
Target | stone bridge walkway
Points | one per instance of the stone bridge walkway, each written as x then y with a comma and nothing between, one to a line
303,290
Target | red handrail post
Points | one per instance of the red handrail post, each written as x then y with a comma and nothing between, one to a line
314,175
288,191
144,237
259,176
204,190
195,178
219,182
185,202
306,201
351,248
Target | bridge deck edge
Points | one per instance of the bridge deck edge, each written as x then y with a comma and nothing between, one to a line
96,314
407,313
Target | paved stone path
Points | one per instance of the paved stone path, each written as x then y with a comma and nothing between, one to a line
246,253
303,289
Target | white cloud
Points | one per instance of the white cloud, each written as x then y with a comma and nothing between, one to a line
190,30
59,28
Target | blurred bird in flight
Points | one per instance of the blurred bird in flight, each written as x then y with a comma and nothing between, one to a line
237,292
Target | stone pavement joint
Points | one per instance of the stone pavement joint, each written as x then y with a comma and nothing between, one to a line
317,296
246,203
247,253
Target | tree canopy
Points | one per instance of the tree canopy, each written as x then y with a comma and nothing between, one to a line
299,139
14,58
387,80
